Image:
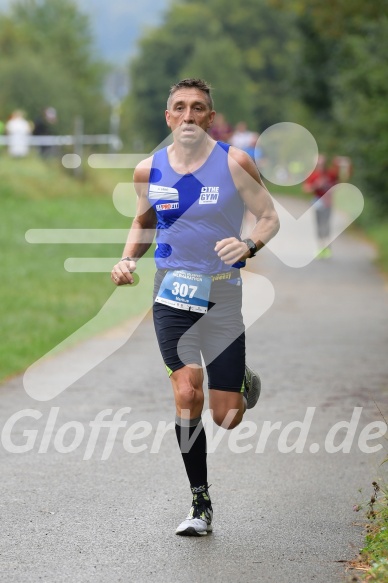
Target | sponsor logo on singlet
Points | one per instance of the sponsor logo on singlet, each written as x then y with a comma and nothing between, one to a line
209,195
167,206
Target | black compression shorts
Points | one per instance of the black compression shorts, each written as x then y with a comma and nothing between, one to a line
219,335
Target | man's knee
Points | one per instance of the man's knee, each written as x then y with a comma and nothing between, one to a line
188,395
188,388
228,419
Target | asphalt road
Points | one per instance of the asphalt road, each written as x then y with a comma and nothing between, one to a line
279,516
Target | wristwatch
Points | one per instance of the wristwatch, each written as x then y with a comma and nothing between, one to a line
251,246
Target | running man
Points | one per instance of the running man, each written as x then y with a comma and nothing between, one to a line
194,193
319,183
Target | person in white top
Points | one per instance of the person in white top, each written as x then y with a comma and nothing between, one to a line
18,129
243,138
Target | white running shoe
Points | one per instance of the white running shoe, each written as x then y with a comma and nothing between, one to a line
252,384
199,519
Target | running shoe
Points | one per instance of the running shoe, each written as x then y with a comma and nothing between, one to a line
199,519
252,385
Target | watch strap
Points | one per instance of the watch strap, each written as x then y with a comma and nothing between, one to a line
251,246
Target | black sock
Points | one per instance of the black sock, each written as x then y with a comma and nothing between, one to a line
192,442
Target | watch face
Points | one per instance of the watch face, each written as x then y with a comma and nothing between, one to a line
251,246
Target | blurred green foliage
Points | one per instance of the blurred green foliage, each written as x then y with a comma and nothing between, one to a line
319,63
239,48
47,60
49,303
342,83
360,107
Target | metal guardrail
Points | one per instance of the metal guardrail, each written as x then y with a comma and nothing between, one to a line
109,139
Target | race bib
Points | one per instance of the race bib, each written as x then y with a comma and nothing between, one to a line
185,290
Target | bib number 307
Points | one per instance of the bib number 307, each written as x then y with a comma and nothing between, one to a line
185,290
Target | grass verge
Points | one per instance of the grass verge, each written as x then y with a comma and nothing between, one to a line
372,563
378,232
41,304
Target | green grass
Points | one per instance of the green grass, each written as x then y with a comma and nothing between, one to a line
295,190
41,303
378,232
373,558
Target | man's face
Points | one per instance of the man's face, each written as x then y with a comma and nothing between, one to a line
188,114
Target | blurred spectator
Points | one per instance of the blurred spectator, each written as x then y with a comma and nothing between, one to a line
2,130
244,139
18,129
320,181
44,125
221,130
344,167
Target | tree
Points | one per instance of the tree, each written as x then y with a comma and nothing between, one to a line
29,86
266,40
333,19
47,60
360,107
241,49
163,53
221,62
320,63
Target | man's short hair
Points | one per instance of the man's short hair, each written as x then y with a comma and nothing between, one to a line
192,84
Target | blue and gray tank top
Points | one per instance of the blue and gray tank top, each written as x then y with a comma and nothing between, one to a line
194,211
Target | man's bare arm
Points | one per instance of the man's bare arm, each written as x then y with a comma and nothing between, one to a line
257,199
141,233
